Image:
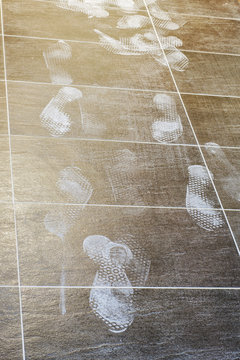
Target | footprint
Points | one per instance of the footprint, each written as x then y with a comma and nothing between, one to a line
175,58
53,117
114,306
164,20
90,9
121,172
56,58
168,128
200,199
228,175
135,45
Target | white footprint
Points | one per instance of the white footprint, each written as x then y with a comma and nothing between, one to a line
228,175
53,117
164,20
175,58
113,305
121,172
91,9
135,45
56,58
168,127
200,199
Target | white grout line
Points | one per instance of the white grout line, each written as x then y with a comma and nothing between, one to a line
132,287
190,123
203,16
12,184
122,287
119,141
121,89
97,43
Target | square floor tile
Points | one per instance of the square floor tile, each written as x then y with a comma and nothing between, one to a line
107,172
220,8
208,34
221,74
214,119
225,167
178,251
5,175
104,113
10,329
46,19
8,259
3,110
167,324
88,64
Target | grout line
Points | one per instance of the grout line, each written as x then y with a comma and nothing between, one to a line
204,16
131,287
237,147
121,89
190,123
122,287
12,184
97,43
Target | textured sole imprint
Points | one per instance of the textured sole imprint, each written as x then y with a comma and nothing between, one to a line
56,58
228,175
175,58
53,117
85,7
168,127
114,306
199,206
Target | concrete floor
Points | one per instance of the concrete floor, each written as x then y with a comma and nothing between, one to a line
120,180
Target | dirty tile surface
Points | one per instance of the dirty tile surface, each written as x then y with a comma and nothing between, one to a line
120,186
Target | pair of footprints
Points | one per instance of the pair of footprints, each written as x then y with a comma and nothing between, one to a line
167,128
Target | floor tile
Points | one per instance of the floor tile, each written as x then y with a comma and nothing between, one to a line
5,175
8,259
220,8
208,34
167,324
3,110
10,330
46,19
221,74
214,119
178,251
89,64
225,167
104,114
102,169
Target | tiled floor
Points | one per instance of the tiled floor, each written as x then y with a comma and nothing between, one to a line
120,180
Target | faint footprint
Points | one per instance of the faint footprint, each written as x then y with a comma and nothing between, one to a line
121,171
164,20
175,58
200,199
168,128
228,175
78,189
56,58
53,117
112,305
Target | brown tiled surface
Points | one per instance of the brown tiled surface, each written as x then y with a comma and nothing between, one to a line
181,253
10,332
157,175
196,324
5,189
90,65
221,8
1,60
221,74
233,217
214,119
107,113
